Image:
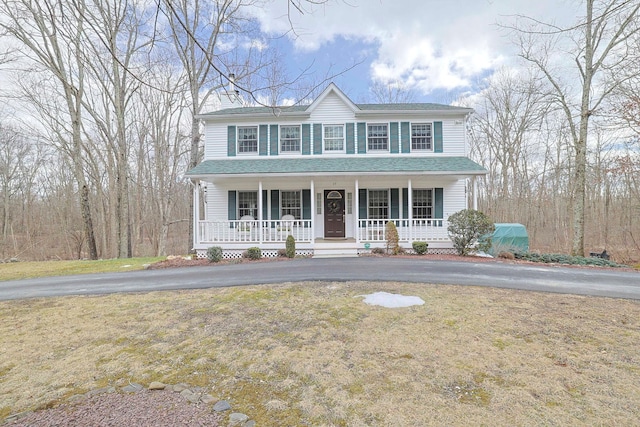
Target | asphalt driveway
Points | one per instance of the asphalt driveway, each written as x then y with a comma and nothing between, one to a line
581,281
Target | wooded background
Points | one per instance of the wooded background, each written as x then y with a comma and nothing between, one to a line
99,123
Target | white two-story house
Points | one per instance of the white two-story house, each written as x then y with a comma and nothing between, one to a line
331,174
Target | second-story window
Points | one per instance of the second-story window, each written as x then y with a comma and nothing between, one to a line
247,139
333,138
421,136
289,139
377,136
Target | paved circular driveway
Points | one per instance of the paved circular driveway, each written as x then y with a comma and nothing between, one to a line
582,281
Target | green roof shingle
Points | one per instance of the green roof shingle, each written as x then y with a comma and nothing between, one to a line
339,165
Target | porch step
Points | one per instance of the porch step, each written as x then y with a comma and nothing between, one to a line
335,252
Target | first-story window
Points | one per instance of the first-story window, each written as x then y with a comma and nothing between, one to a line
421,136
247,139
248,204
377,136
423,203
291,204
378,204
289,139
333,138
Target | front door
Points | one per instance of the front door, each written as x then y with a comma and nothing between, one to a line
333,213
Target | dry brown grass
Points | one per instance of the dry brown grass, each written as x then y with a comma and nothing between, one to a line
315,354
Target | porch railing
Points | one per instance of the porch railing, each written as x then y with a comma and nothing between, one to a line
374,230
276,231
253,231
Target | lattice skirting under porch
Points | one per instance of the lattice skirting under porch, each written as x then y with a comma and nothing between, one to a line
430,251
237,254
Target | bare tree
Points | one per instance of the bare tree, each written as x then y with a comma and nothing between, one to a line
53,43
392,92
597,44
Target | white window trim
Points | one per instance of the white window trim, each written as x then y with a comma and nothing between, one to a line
281,151
344,137
247,153
379,150
421,150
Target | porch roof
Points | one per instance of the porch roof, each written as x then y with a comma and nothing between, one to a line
338,166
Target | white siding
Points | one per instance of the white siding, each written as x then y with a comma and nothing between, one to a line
332,110
453,138
454,198
215,141
216,203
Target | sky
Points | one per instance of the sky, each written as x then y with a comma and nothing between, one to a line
441,49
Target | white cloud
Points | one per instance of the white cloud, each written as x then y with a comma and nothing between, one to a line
429,44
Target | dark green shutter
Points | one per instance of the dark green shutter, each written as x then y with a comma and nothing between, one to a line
405,203
317,138
393,137
405,137
437,137
351,142
395,203
265,205
362,203
275,204
231,141
231,206
439,203
274,140
306,139
362,138
263,141
306,204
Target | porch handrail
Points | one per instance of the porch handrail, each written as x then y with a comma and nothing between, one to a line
374,230
253,231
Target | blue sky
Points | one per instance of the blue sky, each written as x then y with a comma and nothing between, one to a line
438,48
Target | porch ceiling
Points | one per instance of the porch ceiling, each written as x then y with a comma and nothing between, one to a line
338,166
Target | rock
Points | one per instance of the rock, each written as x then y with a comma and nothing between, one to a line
237,419
207,399
178,388
190,396
221,406
250,423
132,388
157,385
146,266
14,260
103,390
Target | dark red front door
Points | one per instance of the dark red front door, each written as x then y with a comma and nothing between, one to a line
334,213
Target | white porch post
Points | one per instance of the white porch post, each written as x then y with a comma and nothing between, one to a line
196,212
356,213
475,193
410,208
260,201
313,212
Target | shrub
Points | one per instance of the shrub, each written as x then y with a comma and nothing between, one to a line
282,253
378,251
392,238
470,230
290,246
214,254
506,255
420,247
253,253
565,259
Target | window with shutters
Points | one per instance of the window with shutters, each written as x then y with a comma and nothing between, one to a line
378,136
290,139
248,204
421,136
422,203
247,139
378,204
291,204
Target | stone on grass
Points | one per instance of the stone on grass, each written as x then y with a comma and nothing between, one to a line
207,399
156,385
132,388
178,388
221,406
237,419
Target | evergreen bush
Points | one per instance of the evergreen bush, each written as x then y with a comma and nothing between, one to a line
470,230
253,253
290,246
420,247
214,254
392,238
